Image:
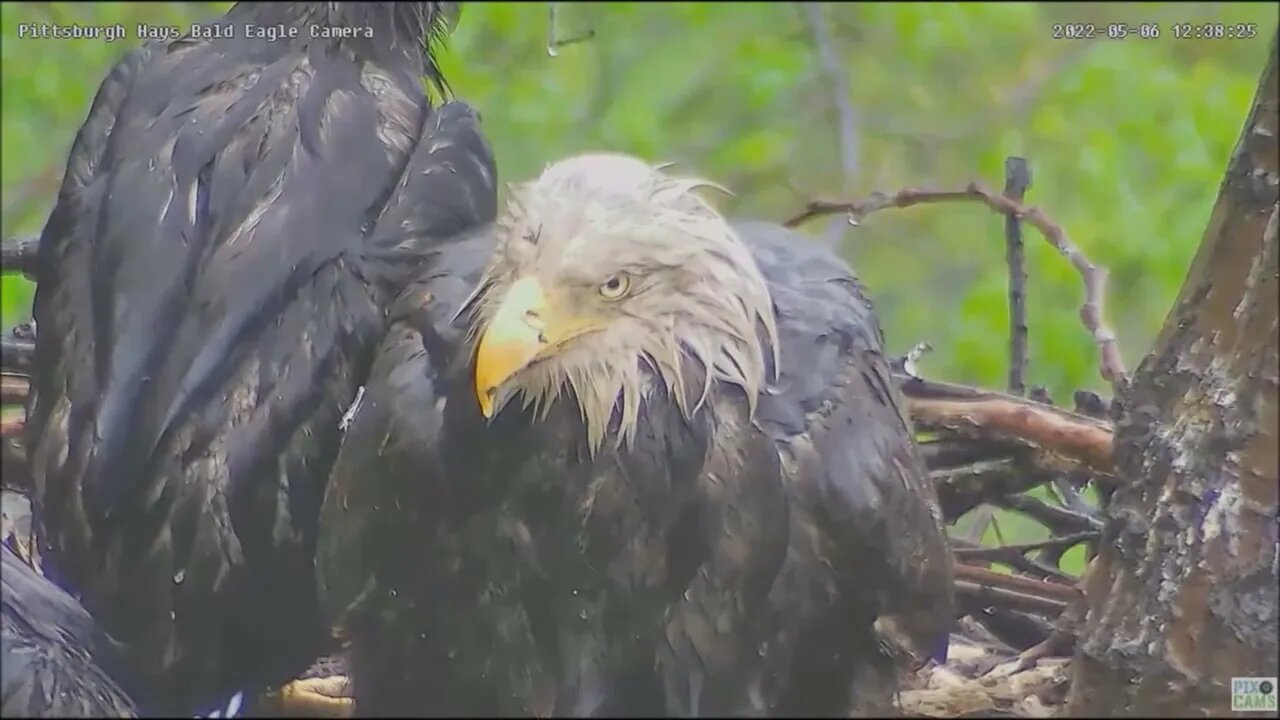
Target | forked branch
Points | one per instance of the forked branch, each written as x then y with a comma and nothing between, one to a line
1111,365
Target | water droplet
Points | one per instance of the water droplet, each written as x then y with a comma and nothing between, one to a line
575,592
582,615
179,576
173,614
393,592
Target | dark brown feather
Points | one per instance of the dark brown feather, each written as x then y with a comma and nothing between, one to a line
214,277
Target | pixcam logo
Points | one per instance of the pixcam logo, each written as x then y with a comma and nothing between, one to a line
1253,694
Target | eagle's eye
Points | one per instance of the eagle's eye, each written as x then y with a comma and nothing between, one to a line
615,286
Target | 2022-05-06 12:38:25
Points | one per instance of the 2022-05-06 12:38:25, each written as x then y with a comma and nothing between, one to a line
1152,31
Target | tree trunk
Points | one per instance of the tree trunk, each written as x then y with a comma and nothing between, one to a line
1183,597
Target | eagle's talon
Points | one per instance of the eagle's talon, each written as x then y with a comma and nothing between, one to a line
316,697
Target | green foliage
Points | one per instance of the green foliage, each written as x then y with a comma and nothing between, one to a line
1127,139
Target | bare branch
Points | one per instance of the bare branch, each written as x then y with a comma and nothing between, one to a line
16,353
993,553
14,389
1017,180
1070,497
1111,365
964,488
990,594
1064,591
978,526
972,553
18,254
1059,520
935,405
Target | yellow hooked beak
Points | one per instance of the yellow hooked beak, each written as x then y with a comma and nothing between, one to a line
524,326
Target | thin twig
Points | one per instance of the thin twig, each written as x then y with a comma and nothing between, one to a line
1111,365
982,516
979,556
995,528
18,254
1017,180
1071,498
1059,520
1066,541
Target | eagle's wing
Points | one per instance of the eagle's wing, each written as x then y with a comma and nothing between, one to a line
213,280
860,496
393,468
54,660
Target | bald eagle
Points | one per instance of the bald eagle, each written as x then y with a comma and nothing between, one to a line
236,216
54,659
618,455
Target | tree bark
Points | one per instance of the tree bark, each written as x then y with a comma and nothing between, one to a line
1183,596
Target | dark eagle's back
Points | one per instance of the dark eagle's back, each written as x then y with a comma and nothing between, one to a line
231,227
860,498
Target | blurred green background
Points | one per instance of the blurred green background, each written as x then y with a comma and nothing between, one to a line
1127,139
